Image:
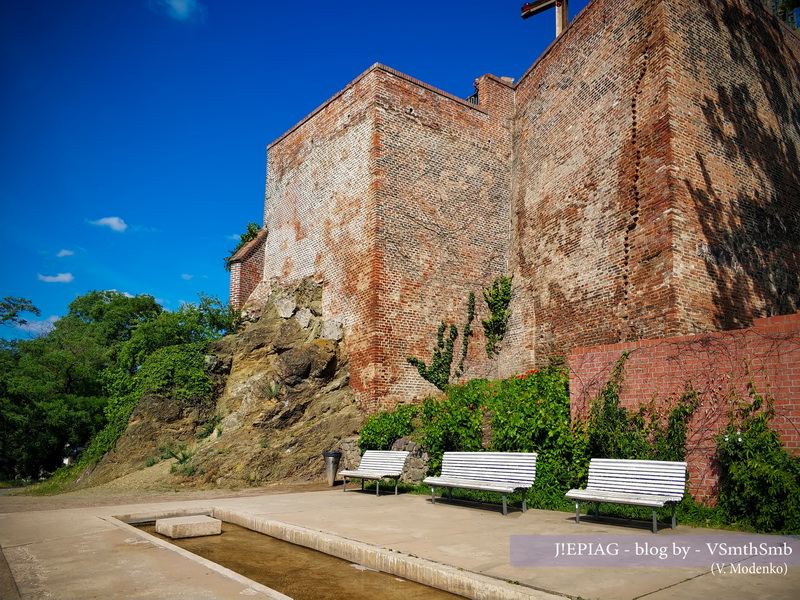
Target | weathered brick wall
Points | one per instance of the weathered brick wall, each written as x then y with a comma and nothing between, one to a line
395,196
640,181
319,212
718,366
443,194
655,183
247,268
591,245
735,117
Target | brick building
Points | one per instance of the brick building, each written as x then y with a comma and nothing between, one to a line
639,181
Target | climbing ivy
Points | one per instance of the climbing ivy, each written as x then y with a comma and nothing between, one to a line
616,432
466,332
498,297
438,373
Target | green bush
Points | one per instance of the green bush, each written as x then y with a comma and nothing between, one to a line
176,372
759,479
616,432
382,429
531,414
454,422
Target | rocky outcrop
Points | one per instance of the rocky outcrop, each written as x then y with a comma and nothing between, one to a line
283,398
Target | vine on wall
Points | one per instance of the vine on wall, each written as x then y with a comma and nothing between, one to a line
466,332
438,373
498,297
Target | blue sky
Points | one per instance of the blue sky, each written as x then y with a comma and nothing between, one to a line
133,133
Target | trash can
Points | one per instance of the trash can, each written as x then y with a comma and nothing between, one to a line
331,465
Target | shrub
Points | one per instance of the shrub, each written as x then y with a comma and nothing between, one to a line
382,429
759,479
454,422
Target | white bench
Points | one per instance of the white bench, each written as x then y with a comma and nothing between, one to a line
377,465
501,472
650,483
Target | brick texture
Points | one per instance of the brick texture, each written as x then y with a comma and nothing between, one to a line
247,270
394,195
640,181
718,366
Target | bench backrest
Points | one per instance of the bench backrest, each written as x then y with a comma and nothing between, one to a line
647,477
384,461
506,467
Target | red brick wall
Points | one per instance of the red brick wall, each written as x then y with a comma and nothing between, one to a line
395,196
247,268
640,181
734,90
718,366
591,222
443,198
656,177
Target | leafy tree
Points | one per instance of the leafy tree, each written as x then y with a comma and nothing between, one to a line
10,307
114,315
86,376
249,235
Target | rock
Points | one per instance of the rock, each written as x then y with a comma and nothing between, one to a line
316,360
285,306
303,316
332,330
288,336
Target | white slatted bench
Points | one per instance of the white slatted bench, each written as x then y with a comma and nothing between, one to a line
501,472
377,465
650,483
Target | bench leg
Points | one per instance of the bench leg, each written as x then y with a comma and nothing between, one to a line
577,511
524,500
655,522
433,495
596,511
362,485
505,509
344,487
674,522
377,487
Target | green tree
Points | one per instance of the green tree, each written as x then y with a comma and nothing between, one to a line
249,235
10,307
85,377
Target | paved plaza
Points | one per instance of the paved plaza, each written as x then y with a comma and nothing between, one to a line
87,552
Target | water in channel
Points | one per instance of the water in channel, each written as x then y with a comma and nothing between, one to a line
300,573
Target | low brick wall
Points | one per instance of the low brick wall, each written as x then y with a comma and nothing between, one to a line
718,366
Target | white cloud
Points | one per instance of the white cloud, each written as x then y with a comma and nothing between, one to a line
181,10
38,327
63,253
60,278
114,223
186,276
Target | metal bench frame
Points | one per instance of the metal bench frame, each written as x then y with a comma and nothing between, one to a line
501,472
649,483
378,465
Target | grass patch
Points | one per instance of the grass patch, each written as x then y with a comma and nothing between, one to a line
57,483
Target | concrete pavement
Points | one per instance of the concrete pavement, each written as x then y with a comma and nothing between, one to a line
85,553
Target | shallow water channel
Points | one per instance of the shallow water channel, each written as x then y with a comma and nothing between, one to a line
300,573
